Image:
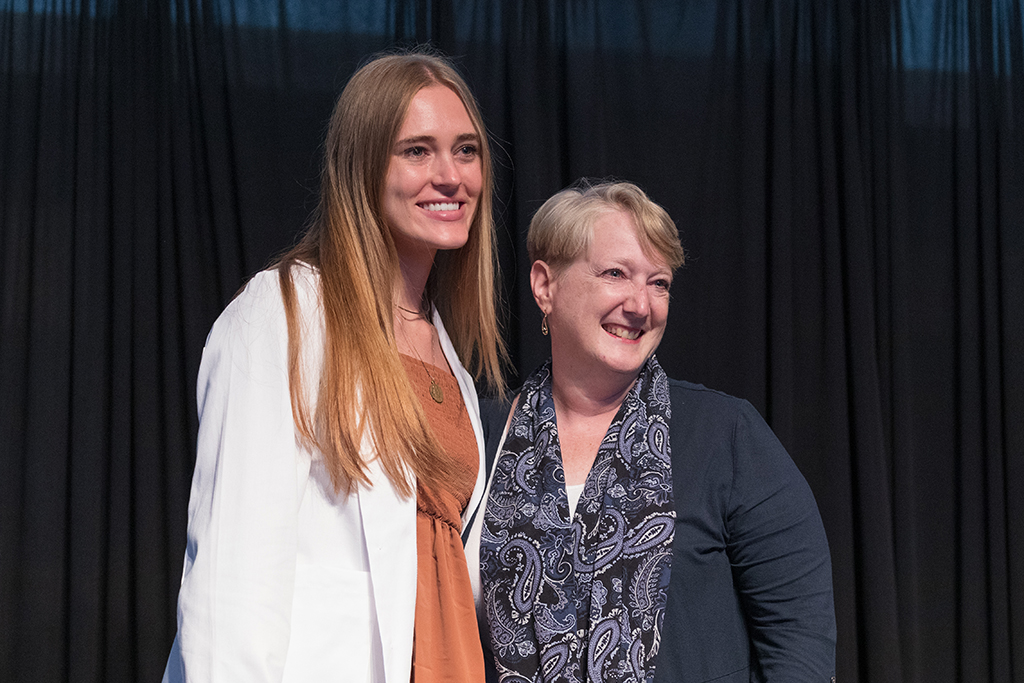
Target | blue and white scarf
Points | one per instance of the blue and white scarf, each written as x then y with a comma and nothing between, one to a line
580,599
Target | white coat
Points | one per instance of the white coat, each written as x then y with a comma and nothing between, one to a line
285,581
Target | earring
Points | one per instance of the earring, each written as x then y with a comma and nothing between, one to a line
544,325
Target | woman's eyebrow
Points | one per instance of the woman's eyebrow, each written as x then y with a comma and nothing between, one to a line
464,137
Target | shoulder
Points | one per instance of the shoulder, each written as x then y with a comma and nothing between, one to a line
259,304
699,407
725,436
253,327
689,392
263,290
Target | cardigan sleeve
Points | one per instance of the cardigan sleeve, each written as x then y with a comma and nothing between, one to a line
779,557
234,606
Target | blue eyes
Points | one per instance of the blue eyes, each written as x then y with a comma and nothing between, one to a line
616,273
418,152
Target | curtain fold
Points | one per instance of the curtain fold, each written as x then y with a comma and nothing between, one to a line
848,180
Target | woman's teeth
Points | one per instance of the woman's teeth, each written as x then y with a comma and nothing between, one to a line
442,206
623,332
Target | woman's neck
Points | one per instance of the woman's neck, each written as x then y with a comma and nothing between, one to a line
584,408
590,394
414,330
411,280
409,295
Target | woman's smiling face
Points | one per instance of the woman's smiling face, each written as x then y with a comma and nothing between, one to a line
434,175
607,310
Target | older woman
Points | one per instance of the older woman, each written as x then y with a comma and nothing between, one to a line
639,528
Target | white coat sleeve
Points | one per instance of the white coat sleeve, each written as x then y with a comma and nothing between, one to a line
235,603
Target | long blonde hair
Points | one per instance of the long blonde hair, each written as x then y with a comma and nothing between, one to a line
363,389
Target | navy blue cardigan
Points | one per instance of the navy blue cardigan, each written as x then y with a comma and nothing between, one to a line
750,597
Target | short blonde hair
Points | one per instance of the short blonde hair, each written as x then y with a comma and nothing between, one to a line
563,227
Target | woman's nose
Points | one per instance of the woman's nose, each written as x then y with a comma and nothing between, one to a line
446,171
638,302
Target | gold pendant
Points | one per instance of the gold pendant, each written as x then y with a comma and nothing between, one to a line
436,392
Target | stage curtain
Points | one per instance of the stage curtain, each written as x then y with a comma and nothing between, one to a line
847,178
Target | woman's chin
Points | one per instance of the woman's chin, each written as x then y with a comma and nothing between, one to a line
619,367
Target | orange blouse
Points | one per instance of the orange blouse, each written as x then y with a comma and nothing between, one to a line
446,642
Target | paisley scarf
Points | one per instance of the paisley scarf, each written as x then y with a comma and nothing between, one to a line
580,599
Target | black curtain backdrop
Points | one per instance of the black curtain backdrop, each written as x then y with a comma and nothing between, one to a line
847,177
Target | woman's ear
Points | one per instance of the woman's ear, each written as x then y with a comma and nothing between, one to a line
541,280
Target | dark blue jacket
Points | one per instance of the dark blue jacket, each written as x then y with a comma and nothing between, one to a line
750,597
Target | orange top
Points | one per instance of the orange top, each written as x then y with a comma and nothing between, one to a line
446,642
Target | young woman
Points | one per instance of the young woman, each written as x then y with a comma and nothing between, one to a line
339,444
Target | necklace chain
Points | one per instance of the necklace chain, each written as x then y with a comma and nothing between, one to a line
417,314
436,392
